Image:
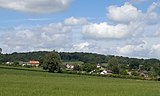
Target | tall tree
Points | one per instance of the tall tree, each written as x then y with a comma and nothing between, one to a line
113,65
52,62
0,50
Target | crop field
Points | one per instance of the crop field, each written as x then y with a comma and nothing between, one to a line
14,82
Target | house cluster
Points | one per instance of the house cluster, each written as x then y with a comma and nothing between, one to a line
70,66
98,67
104,71
32,63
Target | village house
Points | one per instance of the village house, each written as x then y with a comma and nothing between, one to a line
144,74
30,63
106,72
34,63
98,65
9,63
23,63
69,66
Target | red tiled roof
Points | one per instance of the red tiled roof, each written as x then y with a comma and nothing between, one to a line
33,62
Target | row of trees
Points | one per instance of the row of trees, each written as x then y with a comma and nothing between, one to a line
65,56
115,63
53,62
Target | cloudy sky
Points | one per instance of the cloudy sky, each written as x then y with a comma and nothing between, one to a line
111,27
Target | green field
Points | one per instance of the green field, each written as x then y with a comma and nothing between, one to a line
15,82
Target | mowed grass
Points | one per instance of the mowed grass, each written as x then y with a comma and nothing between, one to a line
35,83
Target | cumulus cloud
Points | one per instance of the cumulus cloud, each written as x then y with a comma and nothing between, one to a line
106,31
151,17
126,22
141,49
51,36
36,6
153,7
124,14
157,33
155,50
128,13
156,47
103,30
75,21
133,50
84,46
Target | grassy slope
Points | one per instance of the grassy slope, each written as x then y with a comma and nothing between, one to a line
35,83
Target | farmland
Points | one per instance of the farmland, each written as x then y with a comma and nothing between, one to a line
15,82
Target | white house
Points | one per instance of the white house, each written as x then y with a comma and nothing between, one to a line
98,65
106,72
9,63
103,72
68,66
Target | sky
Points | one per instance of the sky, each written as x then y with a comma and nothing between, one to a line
112,27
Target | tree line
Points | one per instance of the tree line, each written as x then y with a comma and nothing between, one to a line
116,63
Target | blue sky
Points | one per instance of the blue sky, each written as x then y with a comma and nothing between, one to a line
112,27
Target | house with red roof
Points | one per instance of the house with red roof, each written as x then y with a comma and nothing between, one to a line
33,63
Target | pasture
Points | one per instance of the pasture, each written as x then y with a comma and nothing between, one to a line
15,82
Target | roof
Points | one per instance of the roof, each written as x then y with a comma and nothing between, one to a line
33,62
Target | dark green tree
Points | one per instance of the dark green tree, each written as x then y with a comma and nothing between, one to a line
113,65
89,67
52,62
0,50
77,68
134,65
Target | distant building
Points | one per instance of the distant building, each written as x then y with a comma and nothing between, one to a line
23,63
98,66
106,72
68,66
30,63
9,63
34,63
144,74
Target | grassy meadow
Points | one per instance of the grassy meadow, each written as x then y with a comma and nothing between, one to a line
15,82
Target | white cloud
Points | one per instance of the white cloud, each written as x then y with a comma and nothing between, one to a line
84,46
75,21
106,31
151,17
155,50
126,22
36,6
124,14
51,36
128,13
56,28
157,33
47,37
133,50
153,7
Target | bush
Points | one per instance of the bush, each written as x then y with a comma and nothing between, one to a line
124,72
135,73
